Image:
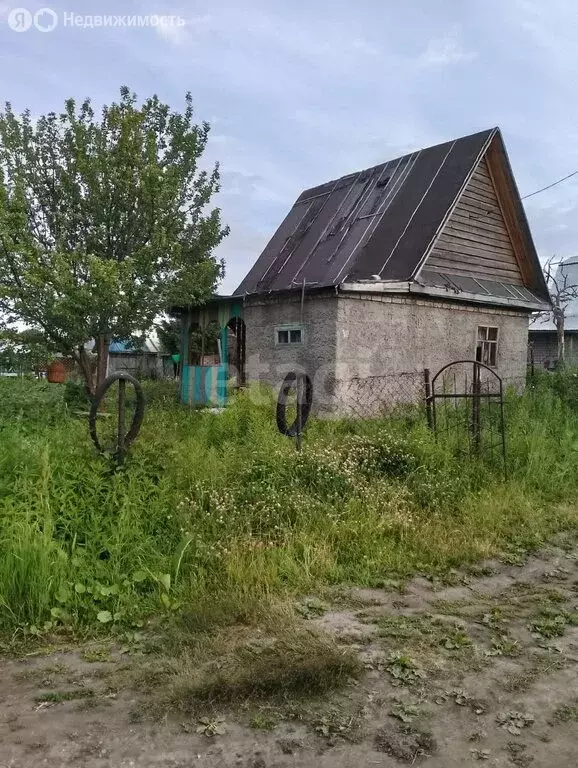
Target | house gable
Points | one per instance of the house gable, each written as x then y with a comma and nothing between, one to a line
446,220
483,248
475,241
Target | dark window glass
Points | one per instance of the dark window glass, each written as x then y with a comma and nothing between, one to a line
295,336
487,345
283,337
492,355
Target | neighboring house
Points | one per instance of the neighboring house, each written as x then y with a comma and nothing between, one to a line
373,277
543,336
144,359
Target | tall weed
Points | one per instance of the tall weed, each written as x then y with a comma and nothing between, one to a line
221,503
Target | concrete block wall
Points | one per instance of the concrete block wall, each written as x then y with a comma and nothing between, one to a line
370,350
269,362
545,348
384,343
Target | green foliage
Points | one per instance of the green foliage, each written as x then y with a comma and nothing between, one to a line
75,395
31,404
553,623
566,713
22,351
104,221
212,504
403,669
169,333
57,697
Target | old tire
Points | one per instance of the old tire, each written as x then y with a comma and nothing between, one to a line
99,396
306,390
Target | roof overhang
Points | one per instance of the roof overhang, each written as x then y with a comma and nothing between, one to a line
215,301
415,289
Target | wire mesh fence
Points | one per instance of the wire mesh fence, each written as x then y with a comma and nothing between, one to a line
463,403
365,397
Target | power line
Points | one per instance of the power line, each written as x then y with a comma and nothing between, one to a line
553,184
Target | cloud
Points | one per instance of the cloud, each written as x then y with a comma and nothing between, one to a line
180,34
300,93
362,46
172,33
239,250
446,50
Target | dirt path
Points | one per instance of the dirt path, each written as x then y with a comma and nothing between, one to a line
484,669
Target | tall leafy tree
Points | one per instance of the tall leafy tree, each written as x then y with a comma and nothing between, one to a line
105,222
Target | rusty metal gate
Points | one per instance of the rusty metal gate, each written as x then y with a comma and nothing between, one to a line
465,404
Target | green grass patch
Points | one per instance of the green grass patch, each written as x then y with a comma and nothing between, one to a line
57,697
265,654
210,505
424,633
566,713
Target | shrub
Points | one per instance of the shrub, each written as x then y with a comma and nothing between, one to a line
75,395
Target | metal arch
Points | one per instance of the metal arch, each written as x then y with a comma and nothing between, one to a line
476,396
469,362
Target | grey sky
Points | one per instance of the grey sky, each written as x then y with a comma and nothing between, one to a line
302,92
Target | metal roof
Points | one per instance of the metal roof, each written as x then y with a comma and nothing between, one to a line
376,223
150,344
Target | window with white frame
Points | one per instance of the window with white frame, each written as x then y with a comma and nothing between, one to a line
288,334
487,345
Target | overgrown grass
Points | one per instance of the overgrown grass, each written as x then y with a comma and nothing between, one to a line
213,504
224,664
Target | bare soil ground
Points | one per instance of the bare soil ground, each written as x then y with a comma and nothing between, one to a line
482,667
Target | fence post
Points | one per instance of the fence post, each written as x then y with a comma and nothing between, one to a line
428,408
503,430
121,413
476,390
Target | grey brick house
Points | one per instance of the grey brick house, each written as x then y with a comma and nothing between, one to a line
373,277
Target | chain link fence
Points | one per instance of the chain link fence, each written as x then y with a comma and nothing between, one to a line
365,397
373,396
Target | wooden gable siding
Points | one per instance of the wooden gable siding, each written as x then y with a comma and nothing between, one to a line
475,241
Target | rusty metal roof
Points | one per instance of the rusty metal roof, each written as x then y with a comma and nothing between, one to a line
377,222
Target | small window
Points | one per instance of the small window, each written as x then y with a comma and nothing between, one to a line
288,335
295,336
487,345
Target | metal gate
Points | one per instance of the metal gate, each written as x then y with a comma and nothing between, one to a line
465,404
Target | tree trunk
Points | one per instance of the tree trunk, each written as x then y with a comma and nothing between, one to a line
561,340
85,365
102,345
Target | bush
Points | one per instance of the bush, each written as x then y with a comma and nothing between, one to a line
75,395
